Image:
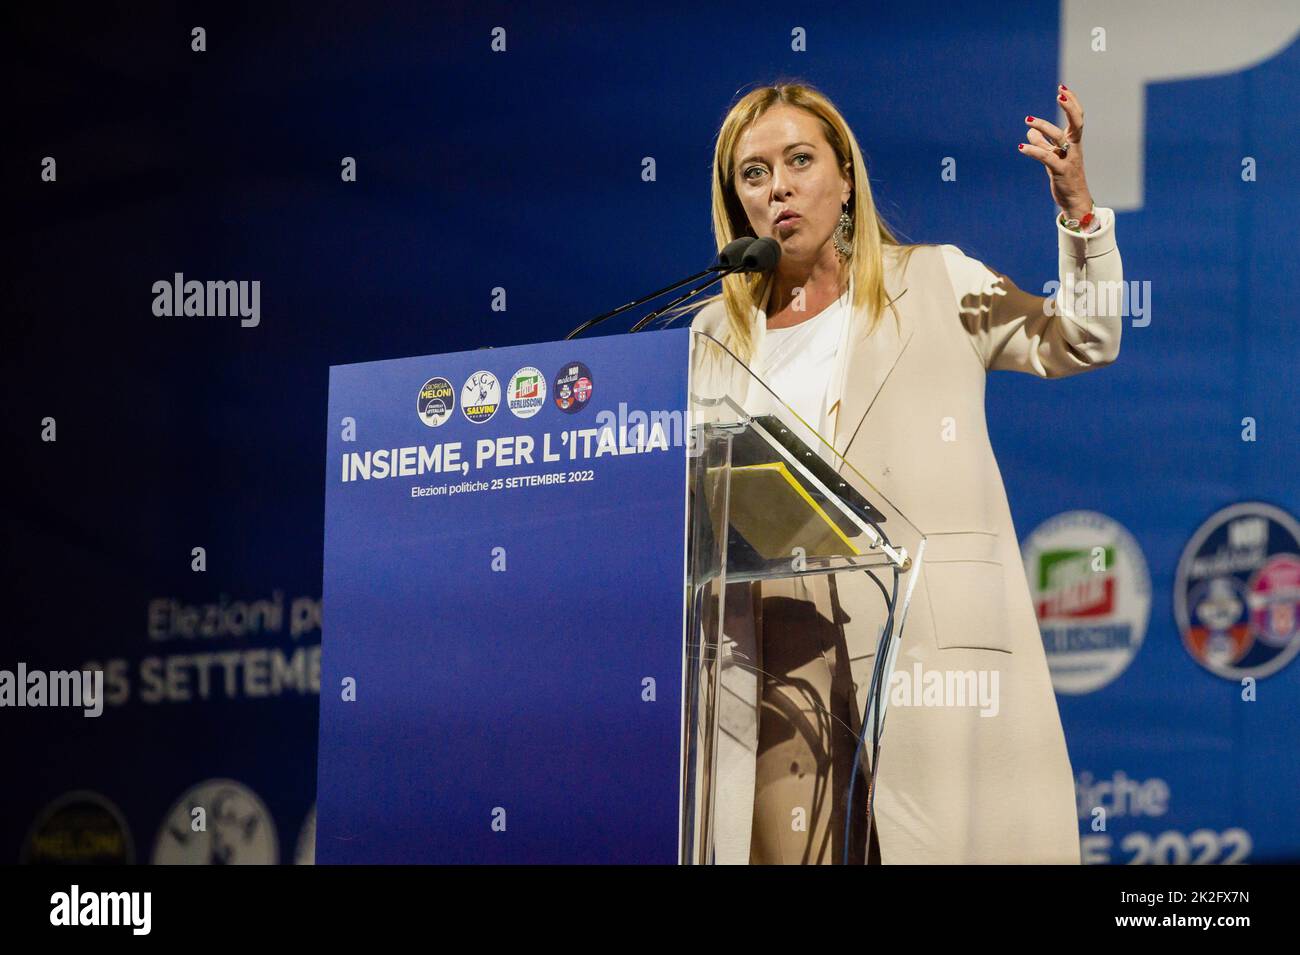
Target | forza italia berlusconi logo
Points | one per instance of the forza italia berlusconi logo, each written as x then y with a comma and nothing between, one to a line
527,392
1092,596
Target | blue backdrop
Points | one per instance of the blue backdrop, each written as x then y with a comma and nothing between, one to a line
515,177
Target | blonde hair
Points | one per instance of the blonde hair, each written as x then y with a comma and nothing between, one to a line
742,294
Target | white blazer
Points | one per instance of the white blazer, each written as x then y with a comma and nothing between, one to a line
953,786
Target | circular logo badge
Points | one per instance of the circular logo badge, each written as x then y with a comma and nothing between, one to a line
573,387
480,397
1237,591
1092,594
436,402
79,828
527,392
237,828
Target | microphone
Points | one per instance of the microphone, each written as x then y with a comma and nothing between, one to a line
734,250
761,255
730,259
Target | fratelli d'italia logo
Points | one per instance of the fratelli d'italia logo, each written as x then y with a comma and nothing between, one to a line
526,392
79,828
436,402
1237,591
480,397
1092,594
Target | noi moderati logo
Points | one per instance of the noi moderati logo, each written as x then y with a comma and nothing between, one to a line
75,907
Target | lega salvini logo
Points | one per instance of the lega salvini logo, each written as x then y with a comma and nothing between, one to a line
480,397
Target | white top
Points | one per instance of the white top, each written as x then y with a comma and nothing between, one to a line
796,361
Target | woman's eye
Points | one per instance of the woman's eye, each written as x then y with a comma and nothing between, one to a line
803,156
752,169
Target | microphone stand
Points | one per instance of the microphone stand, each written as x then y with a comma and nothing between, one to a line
681,298
732,257
641,301
760,255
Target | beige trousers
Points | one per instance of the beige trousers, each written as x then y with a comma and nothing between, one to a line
807,734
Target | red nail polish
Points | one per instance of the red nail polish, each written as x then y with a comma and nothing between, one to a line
1064,87
1021,147
1029,119
1061,98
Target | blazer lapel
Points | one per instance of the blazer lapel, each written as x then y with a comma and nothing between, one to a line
868,362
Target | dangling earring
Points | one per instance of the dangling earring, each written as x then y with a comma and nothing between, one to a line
843,234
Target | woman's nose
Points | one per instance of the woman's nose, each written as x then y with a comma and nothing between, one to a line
779,188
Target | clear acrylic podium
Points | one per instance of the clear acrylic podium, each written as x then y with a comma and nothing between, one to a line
769,498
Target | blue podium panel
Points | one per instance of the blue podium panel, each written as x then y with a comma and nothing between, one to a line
505,560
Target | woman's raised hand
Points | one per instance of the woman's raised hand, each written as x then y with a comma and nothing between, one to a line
1064,165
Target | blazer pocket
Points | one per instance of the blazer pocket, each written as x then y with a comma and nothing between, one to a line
965,582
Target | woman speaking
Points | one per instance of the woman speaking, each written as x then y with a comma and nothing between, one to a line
886,347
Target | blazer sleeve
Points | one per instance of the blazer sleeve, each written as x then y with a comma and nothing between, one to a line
1076,328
